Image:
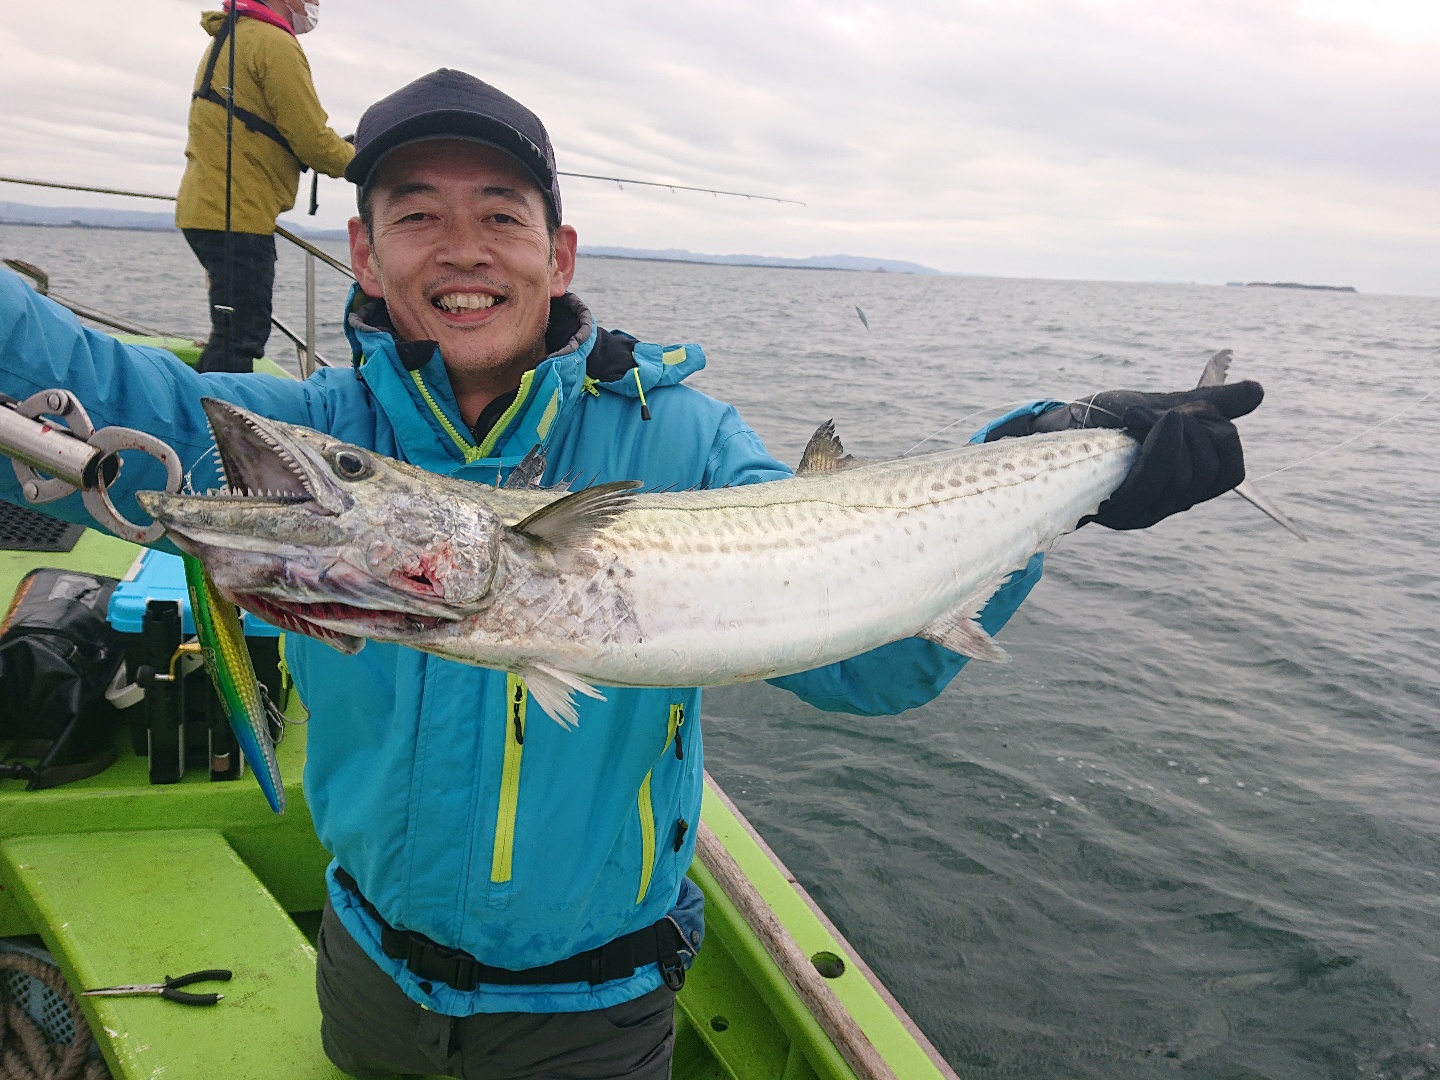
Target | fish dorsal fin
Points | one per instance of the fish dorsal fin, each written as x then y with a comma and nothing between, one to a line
824,453
554,691
1216,370
958,630
526,475
573,519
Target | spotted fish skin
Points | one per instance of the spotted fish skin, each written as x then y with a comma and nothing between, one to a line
606,587
227,661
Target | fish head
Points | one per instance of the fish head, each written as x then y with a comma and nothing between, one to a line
329,539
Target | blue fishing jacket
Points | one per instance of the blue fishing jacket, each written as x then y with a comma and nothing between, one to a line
459,807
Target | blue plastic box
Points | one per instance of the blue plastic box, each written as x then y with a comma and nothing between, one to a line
158,575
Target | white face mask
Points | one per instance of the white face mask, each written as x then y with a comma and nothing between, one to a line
304,23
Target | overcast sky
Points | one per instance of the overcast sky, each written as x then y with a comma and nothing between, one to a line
1206,140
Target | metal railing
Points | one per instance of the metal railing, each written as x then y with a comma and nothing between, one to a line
308,358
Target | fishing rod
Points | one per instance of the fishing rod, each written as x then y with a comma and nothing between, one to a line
232,17
620,180
561,172
330,260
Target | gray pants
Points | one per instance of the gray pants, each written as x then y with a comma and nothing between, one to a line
370,1029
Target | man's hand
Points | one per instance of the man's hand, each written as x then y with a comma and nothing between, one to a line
1189,449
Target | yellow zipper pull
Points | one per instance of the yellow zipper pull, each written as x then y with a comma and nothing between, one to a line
644,409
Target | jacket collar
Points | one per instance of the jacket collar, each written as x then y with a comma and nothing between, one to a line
258,11
410,383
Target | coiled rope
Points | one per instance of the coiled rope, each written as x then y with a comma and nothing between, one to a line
25,1053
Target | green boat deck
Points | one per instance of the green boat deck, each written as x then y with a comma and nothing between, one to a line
130,882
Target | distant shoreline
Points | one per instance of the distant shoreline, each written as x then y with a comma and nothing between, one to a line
746,265
322,234
84,225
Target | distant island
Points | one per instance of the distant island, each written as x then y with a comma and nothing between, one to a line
814,262
1294,285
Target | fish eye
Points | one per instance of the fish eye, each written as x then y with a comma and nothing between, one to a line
351,464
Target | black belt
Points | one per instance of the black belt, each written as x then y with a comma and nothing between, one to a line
659,943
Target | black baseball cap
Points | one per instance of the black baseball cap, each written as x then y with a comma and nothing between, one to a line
451,104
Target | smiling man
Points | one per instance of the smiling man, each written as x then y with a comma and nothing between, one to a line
509,898
467,252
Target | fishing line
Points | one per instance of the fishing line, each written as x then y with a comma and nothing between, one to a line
1087,402
1352,438
1090,404
961,419
213,451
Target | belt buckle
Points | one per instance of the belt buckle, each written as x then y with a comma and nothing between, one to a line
673,972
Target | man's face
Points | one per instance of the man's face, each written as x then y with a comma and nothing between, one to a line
461,254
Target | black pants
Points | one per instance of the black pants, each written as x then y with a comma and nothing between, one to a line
370,1029
254,281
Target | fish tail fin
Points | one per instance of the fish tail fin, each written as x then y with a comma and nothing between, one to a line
1247,491
1214,375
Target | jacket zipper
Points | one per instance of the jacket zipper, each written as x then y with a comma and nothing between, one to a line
516,697
646,806
469,452
647,839
677,721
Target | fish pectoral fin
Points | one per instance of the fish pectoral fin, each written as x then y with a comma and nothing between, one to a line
824,452
570,521
959,632
554,691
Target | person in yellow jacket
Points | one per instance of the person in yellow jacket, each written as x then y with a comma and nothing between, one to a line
279,128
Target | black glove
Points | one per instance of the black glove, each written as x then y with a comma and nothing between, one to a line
1189,449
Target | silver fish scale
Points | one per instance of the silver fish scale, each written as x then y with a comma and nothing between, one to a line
730,585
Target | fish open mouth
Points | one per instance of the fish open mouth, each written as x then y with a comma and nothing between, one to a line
256,465
310,618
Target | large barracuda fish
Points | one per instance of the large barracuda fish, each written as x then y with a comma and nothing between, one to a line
609,587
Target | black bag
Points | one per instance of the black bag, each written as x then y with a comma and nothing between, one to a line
58,655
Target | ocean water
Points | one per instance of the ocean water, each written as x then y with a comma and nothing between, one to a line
1192,828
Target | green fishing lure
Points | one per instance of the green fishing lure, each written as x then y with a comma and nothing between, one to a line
227,661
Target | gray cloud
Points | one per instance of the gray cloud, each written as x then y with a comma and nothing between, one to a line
1190,140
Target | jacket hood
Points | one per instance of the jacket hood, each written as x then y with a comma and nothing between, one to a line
657,365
